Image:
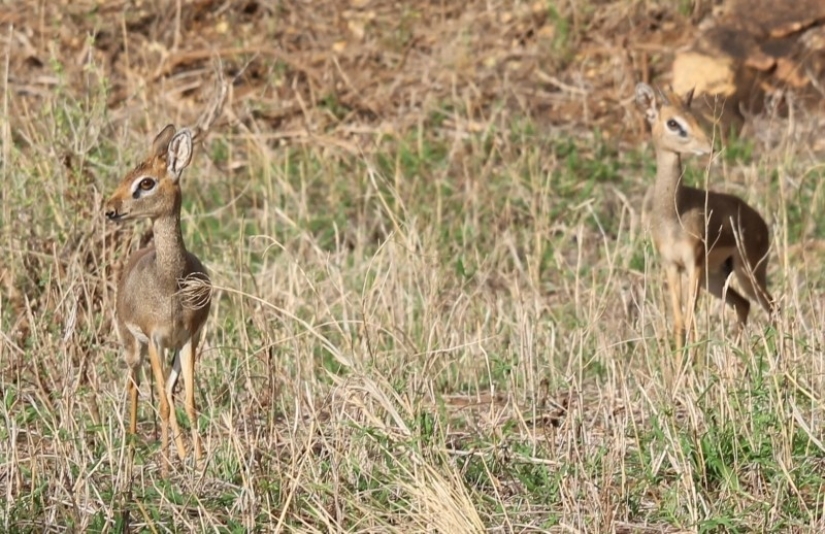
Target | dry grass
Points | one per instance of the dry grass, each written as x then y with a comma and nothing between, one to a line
436,310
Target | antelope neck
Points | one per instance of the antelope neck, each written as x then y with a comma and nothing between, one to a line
170,252
668,182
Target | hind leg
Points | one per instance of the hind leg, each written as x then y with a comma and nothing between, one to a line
171,381
754,283
187,355
674,285
716,281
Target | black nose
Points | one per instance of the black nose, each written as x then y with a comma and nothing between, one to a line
111,215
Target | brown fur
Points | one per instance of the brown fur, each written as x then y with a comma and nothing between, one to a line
155,310
705,234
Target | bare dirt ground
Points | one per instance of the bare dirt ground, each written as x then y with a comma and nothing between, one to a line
380,65
352,71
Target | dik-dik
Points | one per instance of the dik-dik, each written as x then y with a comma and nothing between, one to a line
705,234
163,296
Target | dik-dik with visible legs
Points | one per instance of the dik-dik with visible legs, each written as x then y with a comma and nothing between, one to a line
163,296
704,234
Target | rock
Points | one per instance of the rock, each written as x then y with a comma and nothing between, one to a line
748,49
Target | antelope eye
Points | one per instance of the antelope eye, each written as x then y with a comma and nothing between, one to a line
146,184
673,125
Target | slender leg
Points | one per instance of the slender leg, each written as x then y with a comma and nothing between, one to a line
132,386
716,286
187,355
763,296
755,285
133,356
675,287
174,373
157,372
694,276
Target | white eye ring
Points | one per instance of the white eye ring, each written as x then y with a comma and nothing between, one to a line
676,126
138,189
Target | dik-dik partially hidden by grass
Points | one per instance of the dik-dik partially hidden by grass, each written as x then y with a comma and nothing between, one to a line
163,297
704,234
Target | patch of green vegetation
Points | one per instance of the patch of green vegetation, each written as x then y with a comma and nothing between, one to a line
219,151
739,149
416,156
329,362
640,256
539,480
23,510
803,219
333,105
600,166
686,7
736,450
564,40
428,428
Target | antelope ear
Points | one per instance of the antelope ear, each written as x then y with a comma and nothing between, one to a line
161,142
688,97
179,154
646,100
